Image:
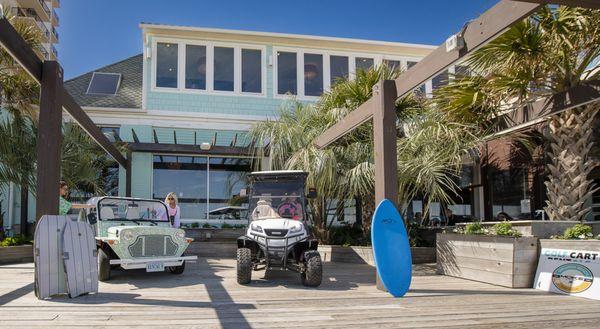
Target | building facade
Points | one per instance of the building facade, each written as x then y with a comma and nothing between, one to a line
41,14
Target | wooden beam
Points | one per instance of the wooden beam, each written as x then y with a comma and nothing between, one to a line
134,136
354,119
49,140
384,138
591,4
188,149
77,113
128,174
153,135
543,109
476,34
175,136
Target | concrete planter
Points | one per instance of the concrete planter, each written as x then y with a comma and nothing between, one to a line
16,254
364,255
541,229
504,261
591,245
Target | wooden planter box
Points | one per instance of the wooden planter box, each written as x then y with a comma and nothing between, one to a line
16,254
504,261
591,245
364,255
542,229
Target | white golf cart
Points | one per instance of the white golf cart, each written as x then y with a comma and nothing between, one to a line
136,234
278,237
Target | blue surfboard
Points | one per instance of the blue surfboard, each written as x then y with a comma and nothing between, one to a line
391,249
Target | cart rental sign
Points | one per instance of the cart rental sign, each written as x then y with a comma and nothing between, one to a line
572,272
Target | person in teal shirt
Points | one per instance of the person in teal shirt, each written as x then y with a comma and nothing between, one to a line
63,205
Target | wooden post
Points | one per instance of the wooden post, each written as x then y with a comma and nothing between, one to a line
49,140
384,138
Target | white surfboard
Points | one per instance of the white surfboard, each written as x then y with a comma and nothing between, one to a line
80,258
50,278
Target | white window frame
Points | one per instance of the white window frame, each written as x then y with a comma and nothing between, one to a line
181,61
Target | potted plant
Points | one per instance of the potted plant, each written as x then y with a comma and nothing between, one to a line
16,249
498,255
578,237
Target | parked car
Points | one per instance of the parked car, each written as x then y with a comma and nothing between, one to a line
136,233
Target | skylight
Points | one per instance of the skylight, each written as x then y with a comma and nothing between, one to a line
104,83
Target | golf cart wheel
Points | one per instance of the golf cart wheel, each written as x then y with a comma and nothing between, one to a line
313,274
177,269
103,265
244,265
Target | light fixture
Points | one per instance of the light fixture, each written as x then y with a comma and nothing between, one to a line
205,146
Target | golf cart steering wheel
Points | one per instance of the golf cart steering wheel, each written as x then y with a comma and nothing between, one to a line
287,210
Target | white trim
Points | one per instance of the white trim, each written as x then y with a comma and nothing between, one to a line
210,45
146,26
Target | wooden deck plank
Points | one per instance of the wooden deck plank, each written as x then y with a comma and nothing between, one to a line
207,296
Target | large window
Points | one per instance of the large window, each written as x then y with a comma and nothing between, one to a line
166,65
364,63
251,71
338,66
509,192
224,69
206,187
392,64
195,67
440,80
287,81
313,74
410,64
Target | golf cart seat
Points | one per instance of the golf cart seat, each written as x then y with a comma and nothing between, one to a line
107,213
132,212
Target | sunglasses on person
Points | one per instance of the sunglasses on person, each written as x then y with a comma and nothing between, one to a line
170,199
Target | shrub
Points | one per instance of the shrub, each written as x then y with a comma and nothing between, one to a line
16,240
206,225
195,225
505,229
225,225
474,228
239,226
578,231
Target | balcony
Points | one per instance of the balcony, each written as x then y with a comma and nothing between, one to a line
54,35
54,52
45,7
55,3
30,15
55,20
39,6
43,53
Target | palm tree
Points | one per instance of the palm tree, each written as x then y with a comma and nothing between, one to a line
555,49
429,155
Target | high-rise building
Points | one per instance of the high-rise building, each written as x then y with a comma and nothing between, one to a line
41,14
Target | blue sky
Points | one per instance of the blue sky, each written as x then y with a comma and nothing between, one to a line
94,33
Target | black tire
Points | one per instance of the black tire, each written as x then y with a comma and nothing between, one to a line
244,265
177,269
103,265
313,274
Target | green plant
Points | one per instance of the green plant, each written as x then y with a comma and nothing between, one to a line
194,225
505,229
16,240
225,225
578,231
239,226
474,228
206,225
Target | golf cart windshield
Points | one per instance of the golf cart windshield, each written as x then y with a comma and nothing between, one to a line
128,209
281,199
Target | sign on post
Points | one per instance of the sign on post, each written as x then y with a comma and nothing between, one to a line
568,271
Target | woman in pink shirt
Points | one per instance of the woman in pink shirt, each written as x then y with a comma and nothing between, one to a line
173,209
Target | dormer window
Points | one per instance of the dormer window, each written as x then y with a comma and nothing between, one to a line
103,83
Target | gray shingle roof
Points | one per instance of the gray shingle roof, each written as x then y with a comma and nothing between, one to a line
129,94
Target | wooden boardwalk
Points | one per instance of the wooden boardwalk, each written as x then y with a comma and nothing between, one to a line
207,296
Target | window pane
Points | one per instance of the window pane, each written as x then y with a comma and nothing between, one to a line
409,64
223,69
166,65
462,70
392,64
187,180
440,80
251,71
286,73
195,67
338,68
363,63
227,176
313,74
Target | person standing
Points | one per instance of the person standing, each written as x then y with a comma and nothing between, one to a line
173,210
63,205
